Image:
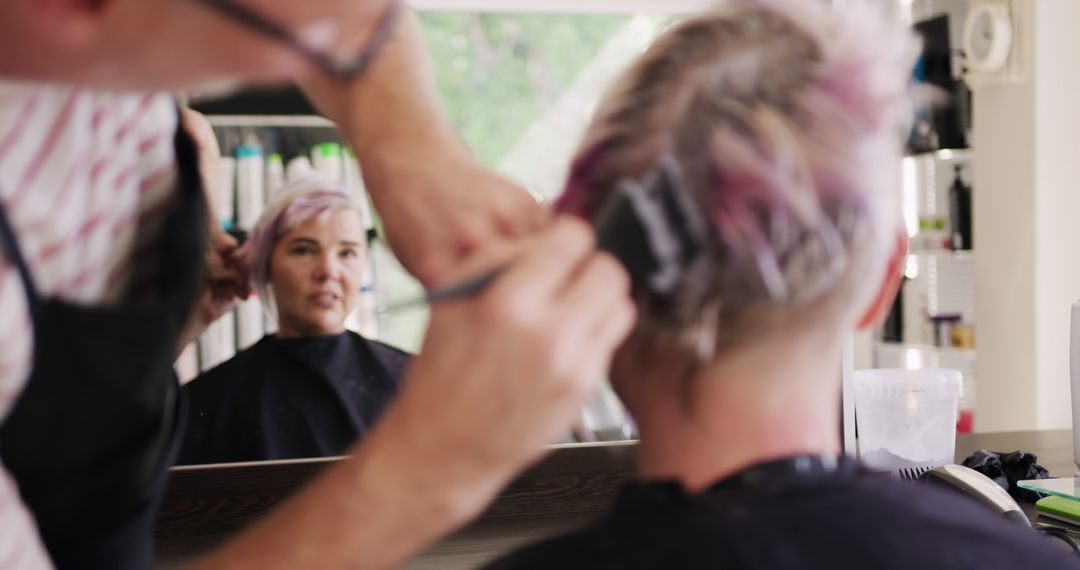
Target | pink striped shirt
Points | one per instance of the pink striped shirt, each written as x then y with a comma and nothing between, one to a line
85,178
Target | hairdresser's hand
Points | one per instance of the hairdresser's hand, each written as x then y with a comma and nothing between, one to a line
225,278
225,283
438,204
445,207
507,372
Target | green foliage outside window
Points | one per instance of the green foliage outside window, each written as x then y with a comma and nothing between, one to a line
498,73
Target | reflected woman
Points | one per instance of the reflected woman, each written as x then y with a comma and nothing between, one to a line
311,389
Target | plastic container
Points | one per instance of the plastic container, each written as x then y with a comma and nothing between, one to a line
226,196
328,161
298,168
275,173
906,419
250,188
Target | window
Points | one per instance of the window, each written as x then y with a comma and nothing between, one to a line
520,87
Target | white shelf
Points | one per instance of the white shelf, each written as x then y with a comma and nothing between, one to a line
300,121
947,154
942,252
927,349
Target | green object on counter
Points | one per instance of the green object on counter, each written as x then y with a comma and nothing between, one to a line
1060,508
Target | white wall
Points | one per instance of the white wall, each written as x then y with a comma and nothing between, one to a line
1004,223
1057,201
1027,226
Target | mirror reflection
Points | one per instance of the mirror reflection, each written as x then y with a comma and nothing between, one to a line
313,387
521,88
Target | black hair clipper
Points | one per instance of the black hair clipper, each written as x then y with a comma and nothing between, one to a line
653,227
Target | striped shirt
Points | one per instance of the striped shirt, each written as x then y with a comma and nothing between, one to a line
85,179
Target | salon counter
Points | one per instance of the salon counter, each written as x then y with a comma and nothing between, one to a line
572,486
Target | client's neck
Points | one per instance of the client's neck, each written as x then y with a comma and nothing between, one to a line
772,400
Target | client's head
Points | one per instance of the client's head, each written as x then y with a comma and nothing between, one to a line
785,122
307,255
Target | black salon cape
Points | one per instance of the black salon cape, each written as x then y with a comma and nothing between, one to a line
289,399
853,519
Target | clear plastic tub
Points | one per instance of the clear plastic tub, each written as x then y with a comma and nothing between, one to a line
906,419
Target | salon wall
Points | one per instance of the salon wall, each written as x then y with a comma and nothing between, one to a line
1027,224
1057,201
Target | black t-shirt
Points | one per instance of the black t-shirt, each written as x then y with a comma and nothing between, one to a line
290,399
849,518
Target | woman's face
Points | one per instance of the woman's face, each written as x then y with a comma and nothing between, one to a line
316,271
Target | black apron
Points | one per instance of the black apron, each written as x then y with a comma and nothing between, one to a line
92,436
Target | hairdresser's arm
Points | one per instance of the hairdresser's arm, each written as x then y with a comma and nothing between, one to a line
500,376
437,202
225,282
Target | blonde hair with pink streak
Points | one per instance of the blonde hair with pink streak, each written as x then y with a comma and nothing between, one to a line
788,122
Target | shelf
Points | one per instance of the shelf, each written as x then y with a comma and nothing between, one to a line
946,154
917,356
255,121
942,252
926,348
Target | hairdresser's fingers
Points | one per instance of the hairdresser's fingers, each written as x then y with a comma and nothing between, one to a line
601,281
521,220
596,306
219,266
550,261
539,218
495,256
502,256
522,216
226,279
237,261
596,350
612,331
222,246
224,243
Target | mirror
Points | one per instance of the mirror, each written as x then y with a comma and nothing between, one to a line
517,87
982,273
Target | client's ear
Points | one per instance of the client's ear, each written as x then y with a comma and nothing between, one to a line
69,25
879,308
